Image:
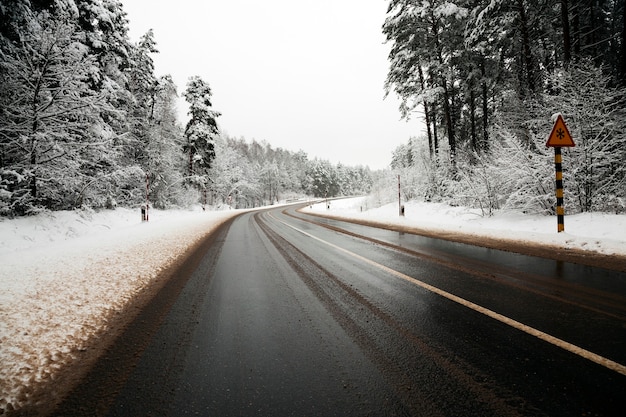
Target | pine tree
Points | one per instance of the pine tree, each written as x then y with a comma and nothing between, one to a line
427,36
201,130
143,87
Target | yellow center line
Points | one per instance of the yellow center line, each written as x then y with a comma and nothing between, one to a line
584,353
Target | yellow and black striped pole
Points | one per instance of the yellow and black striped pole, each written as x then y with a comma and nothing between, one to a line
560,211
559,137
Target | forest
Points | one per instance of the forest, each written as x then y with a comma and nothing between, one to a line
86,123
488,78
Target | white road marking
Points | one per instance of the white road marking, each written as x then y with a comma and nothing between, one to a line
584,353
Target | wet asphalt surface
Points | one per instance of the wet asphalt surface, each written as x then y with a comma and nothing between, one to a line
279,318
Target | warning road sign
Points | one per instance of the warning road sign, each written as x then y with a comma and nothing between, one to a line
560,135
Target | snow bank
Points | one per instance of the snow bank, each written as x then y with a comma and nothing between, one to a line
599,232
64,275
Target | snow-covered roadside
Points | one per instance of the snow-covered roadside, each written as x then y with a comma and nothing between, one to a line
64,275
598,232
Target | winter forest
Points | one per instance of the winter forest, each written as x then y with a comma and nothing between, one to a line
86,123
487,76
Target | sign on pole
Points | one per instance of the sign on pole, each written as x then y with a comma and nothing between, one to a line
559,137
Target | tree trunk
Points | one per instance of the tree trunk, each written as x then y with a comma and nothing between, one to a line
33,177
622,63
592,22
567,48
34,129
576,28
472,105
434,120
526,50
431,149
190,161
485,142
447,111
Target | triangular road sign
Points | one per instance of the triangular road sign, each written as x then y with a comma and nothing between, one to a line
560,136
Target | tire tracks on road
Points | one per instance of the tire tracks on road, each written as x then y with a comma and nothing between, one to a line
375,331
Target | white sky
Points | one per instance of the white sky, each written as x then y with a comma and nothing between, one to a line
299,74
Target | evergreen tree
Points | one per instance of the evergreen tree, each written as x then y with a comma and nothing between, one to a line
201,130
427,37
143,86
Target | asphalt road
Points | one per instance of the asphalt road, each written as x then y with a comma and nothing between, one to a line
284,314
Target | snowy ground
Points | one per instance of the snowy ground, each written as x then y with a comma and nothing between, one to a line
64,275
598,232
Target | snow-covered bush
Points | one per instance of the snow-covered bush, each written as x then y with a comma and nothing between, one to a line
595,113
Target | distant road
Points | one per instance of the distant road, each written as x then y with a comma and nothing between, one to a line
286,314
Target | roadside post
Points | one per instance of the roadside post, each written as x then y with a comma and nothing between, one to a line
400,206
559,137
147,208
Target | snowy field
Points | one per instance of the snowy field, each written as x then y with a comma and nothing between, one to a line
64,275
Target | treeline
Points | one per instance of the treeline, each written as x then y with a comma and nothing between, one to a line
488,76
85,122
249,174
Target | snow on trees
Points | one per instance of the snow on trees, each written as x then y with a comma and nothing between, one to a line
165,160
488,75
49,119
201,130
83,118
85,121
596,116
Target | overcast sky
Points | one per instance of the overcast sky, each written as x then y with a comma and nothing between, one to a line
300,74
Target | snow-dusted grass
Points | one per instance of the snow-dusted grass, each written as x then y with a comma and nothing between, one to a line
64,276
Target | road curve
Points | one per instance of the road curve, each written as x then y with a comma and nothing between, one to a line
288,314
